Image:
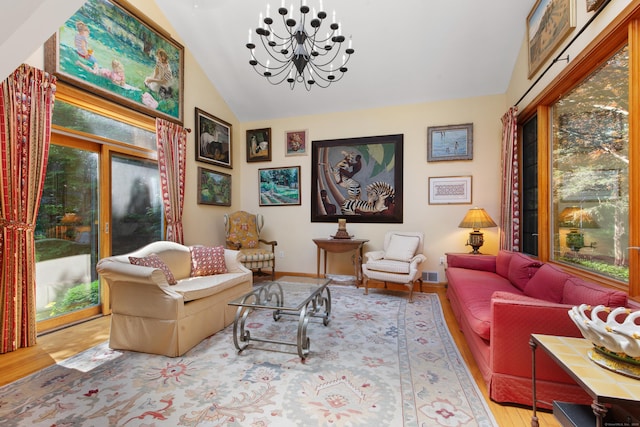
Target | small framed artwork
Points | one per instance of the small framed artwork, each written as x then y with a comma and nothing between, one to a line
548,24
296,143
450,190
259,145
279,186
213,140
214,188
452,142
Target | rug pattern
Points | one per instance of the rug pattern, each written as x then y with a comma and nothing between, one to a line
380,361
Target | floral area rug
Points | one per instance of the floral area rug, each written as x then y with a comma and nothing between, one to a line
380,362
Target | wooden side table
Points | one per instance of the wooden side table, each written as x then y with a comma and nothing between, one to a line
606,387
338,246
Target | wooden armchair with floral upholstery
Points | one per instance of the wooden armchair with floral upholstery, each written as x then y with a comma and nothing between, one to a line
243,234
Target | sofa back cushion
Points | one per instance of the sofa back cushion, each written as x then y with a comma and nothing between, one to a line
547,283
502,263
521,269
577,291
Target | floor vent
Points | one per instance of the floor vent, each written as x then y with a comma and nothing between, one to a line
430,276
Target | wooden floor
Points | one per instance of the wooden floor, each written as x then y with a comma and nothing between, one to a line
57,346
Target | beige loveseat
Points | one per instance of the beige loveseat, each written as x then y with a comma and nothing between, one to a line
151,316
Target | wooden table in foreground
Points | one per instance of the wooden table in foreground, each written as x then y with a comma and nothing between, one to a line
341,245
606,387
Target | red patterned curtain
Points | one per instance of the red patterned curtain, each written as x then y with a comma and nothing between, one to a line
172,159
510,215
26,105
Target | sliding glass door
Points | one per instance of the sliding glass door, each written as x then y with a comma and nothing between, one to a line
67,233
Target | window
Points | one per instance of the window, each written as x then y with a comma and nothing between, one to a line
101,197
590,171
585,125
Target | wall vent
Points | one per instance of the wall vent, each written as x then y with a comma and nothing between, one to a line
430,276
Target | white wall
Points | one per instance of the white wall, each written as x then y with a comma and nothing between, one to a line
291,226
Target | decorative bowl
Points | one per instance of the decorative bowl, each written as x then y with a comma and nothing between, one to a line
614,338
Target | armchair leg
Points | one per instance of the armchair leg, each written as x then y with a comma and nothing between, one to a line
365,279
411,292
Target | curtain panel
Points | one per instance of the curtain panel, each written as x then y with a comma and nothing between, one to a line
510,199
26,106
172,158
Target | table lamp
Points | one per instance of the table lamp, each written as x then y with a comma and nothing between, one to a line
476,219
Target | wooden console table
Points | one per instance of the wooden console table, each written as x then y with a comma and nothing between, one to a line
607,388
338,246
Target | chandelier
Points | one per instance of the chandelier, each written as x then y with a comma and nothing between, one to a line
300,54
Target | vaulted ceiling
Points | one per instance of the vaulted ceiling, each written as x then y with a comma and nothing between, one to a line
406,51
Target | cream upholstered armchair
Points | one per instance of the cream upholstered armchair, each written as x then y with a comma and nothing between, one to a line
243,234
399,262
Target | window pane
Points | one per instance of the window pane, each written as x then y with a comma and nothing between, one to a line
72,117
136,204
67,234
590,162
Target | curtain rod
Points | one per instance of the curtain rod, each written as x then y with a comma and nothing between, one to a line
558,58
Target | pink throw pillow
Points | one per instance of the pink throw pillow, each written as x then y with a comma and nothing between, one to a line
207,261
154,261
547,284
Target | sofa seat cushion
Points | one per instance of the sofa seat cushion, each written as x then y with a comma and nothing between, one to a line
194,288
577,291
474,290
547,284
389,266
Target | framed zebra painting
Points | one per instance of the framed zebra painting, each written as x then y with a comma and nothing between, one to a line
357,178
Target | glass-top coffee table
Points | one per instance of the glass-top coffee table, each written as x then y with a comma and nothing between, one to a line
304,297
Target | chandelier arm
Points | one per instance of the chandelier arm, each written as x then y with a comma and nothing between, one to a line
268,49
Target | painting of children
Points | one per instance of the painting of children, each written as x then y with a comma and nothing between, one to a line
101,40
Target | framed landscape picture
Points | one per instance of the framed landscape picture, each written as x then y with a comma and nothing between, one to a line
259,145
357,178
114,51
279,186
453,142
548,24
214,188
213,140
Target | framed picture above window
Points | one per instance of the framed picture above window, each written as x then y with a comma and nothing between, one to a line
213,140
259,145
548,24
450,190
109,48
214,188
452,142
296,143
279,186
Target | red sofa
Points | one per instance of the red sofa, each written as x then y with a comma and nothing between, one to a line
499,301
